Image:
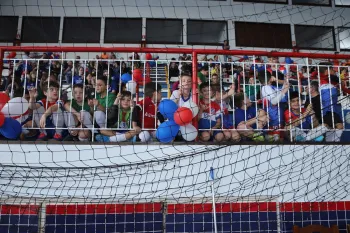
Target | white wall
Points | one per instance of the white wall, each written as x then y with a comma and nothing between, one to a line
153,172
185,9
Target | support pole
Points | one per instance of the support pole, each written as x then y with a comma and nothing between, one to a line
195,86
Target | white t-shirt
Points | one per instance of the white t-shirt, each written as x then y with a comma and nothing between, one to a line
176,96
272,94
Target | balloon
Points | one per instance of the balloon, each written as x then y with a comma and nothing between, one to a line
167,108
189,132
2,119
288,60
131,86
183,116
4,98
193,106
126,78
137,74
15,107
11,128
148,56
12,55
167,131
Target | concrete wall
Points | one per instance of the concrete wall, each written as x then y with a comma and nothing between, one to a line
184,9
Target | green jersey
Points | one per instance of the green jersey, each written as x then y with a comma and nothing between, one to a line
106,102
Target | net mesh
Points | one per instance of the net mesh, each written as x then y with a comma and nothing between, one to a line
80,185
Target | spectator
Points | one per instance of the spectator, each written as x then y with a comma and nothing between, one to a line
222,99
47,113
183,94
299,120
252,89
203,74
330,120
104,55
119,117
209,116
145,114
173,70
226,46
79,78
102,101
78,115
272,97
67,73
248,119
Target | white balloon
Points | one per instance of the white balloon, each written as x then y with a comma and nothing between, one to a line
189,132
193,106
15,107
131,86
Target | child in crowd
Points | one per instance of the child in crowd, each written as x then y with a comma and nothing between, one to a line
272,97
222,98
102,102
120,117
184,93
78,115
330,120
248,118
299,119
145,114
203,74
252,89
79,79
209,116
47,112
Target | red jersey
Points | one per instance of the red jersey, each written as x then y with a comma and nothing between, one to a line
46,104
148,114
290,116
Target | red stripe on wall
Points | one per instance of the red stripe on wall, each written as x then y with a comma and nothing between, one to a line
104,208
19,209
315,206
222,207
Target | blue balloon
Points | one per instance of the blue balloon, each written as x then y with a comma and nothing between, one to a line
152,63
167,131
11,128
167,108
126,77
288,60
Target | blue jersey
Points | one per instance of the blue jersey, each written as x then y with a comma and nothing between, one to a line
242,115
78,80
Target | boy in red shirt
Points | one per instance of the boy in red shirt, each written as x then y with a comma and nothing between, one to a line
47,112
209,116
302,122
145,114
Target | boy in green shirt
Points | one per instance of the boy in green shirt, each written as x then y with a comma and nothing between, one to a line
203,74
78,115
103,101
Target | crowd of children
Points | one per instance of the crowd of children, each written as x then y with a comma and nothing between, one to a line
260,105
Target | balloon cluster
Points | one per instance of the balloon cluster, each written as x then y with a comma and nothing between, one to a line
10,128
178,119
134,80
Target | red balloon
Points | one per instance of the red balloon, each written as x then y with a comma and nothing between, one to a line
4,98
2,119
137,74
148,56
183,116
12,55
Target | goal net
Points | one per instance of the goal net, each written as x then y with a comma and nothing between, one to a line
166,116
